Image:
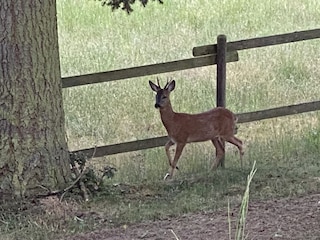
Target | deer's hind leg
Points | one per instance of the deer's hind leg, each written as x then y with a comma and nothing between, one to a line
219,152
238,143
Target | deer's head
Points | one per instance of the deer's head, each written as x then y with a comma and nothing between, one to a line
163,94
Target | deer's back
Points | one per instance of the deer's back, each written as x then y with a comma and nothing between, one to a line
217,122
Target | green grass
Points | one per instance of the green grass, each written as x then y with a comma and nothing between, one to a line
240,232
94,39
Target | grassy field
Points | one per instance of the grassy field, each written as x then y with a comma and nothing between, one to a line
287,149
93,39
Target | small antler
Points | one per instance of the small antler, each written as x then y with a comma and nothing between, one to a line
158,82
168,82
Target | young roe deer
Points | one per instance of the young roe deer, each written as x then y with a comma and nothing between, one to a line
216,125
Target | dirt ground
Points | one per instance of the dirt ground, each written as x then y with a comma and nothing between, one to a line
290,218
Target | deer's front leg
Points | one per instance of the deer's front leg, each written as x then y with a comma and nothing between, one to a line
167,147
177,155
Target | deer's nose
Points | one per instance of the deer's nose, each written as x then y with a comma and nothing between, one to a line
157,105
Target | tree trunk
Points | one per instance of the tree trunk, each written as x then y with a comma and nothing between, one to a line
33,149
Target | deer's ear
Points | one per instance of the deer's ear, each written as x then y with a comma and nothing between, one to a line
154,87
172,84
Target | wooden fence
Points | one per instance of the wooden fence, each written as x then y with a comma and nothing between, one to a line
219,54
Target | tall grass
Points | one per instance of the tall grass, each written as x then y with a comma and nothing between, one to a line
286,149
93,39
241,222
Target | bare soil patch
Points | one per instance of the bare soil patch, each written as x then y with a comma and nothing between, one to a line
289,218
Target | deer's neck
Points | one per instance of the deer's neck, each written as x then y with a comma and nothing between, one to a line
167,115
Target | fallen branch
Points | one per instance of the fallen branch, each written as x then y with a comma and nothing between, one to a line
79,175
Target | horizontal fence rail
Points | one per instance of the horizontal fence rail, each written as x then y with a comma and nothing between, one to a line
124,147
278,112
160,141
259,42
145,70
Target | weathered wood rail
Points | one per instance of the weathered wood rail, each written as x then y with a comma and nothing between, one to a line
259,42
145,70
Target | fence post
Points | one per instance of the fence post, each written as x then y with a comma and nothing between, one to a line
221,75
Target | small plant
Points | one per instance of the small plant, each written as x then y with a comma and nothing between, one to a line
241,221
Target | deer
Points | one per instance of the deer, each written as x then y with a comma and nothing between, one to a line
217,125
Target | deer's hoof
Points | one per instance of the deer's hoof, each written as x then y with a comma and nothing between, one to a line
214,167
166,176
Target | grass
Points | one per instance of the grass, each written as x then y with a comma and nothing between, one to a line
241,222
93,39
265,77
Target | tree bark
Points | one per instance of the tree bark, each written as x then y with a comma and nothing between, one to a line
33,149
